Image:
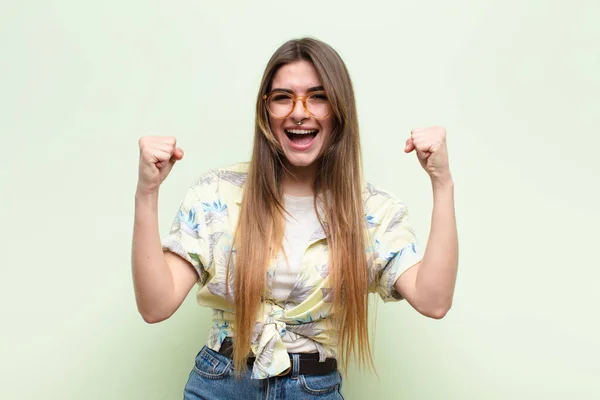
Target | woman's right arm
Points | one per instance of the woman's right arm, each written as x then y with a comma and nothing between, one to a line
161,280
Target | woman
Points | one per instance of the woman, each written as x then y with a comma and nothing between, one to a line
286,248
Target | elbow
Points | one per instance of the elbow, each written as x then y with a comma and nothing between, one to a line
153,317
437,312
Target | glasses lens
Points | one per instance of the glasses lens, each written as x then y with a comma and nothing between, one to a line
280,104
318,105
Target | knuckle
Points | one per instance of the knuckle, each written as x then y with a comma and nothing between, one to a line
146,153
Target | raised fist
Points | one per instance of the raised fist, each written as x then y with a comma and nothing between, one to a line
158,154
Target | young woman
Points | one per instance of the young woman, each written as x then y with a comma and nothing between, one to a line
286,248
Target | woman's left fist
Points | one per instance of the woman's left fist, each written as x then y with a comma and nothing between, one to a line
430,145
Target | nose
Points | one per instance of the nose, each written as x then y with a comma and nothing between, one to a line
298,112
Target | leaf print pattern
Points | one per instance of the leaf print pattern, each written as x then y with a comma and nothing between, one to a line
217,289
256,332
203,273
309,329
206,180
372,191
291,336
327,295
300,291
176,225
213,238
374,267
214,211
264,358
189,224
396,221
235,178
213,335
267,352
371,221
323,270
319,234
202,233
224,259
270,280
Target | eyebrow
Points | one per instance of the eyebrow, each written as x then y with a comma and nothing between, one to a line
312,89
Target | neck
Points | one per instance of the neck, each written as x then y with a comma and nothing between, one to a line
299,181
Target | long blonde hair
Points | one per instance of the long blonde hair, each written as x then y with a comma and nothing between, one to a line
260,228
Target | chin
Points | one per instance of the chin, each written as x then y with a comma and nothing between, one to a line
301,161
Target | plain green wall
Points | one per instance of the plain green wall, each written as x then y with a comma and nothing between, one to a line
516,84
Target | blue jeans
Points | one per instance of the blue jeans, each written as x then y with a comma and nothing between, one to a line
213,379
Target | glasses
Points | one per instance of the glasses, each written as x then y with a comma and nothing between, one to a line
281,104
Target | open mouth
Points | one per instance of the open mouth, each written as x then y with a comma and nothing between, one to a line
301,136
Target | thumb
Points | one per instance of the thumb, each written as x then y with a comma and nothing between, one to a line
177,155
166,166
410,146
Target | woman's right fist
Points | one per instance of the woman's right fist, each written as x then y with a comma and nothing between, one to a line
158,154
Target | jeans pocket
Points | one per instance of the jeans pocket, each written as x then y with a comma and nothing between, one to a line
319,385
212,365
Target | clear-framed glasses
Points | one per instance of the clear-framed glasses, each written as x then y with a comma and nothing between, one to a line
280,104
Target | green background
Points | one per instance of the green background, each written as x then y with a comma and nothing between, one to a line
516,84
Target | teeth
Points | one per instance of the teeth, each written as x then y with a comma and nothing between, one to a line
300,132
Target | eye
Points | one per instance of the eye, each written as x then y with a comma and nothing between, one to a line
281,97
318,97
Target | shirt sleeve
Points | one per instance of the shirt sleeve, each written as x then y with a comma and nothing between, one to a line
395,251
188,236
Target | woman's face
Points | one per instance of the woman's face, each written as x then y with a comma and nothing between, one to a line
303,143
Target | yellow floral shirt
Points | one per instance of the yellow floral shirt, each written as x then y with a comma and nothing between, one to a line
202,233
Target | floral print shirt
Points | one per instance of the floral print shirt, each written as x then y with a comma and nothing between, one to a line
202,234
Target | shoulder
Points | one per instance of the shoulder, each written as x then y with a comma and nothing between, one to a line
234,174
219,186
380,201
387,219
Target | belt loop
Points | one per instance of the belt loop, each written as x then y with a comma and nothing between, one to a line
295,365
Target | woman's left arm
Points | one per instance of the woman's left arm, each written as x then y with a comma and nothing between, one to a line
429,285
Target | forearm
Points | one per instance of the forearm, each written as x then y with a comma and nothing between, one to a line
152,278
436,278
